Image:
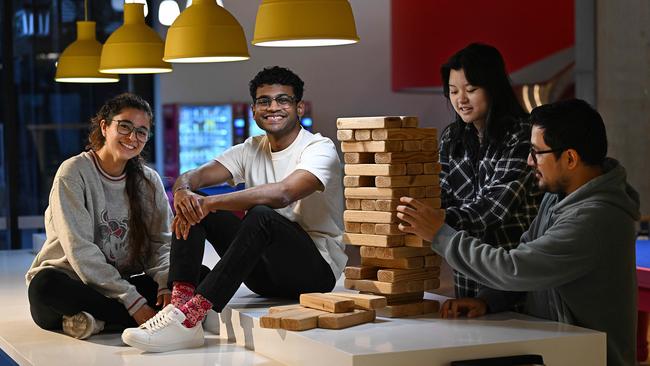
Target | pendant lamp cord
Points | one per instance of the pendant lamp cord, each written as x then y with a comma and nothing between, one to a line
86,10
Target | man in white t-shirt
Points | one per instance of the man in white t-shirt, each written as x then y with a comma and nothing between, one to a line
288,243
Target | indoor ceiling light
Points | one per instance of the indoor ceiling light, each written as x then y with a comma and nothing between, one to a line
205,32
134,48
304,23
168,12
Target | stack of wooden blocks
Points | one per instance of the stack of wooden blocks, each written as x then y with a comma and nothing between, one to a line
335,310
387,158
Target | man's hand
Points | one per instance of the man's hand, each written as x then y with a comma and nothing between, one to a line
471,307
143,314
188,206
420,219
164,300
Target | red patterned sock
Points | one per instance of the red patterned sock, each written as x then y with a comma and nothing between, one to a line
182,292
195,310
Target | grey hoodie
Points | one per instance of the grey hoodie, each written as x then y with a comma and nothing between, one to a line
576,261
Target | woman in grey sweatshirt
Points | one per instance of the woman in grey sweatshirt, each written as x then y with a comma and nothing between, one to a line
106,256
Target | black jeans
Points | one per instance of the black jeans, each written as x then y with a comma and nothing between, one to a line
272,255
53,294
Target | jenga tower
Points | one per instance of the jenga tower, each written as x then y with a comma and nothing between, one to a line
387,158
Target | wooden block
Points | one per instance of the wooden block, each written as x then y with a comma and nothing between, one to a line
392,299
360,272
358,123
391,205
363,301
304,319
430,168
345,135
377,193
377,217
368,252
416,241
432,260
409,121
358,158
404,263
404,134
375,169
408,181
368,205
405,157
411,145
385,287
409,309
429,145
345,320
435,202
432,191
352,227
329,303
402,252
352,204
417,192
358,181
398,275
274,320
414,169
368,228
277,309
371,146
387,229
362,135
373,240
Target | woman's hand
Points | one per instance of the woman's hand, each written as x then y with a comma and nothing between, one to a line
164,300
421,220
143,314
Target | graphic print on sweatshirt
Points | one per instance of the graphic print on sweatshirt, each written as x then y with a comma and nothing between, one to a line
112,238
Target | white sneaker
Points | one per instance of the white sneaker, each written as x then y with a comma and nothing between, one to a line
164,332
81,325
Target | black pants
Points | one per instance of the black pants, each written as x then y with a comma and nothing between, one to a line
53,294
273,256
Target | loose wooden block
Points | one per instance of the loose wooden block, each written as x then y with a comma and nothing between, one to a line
368,228
411,145
345,135
277,309
329,303
431,168
352,227
404,263
345,320
373,240
360,272
405,157
416,241
409,309
358,181
352,204
432,260
375,169
404,134
409,121
377,193
432,191
362,135
402,252
363,301
414,169
387,229
358,123
370,216
385,287
371,146
358,158
408,181
429,145
304,319
274,320
398,275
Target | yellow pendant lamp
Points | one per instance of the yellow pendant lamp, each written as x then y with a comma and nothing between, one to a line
79,62
304,23
205,32
134,48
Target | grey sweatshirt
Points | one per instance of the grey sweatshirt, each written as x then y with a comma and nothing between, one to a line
576,261
86,225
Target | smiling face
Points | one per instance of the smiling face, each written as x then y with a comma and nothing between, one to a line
124,147
551,172
275,119
469,101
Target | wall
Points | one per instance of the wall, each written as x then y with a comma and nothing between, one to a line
340,81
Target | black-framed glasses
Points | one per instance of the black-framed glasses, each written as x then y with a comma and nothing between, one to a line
283,100
534,153
126,127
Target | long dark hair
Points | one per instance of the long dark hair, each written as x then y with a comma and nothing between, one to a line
484,67
139,246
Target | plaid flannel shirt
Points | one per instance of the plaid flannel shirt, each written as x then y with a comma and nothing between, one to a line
494,198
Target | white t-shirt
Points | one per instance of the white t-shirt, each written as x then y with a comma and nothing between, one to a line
319,214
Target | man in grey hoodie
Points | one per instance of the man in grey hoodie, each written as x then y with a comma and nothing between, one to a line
576,263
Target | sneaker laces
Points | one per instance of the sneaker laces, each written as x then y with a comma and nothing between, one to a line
157,322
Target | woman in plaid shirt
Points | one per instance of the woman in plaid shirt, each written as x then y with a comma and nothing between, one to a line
487,188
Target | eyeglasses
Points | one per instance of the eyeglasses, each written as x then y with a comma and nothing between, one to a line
284,101
534,153
125,127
